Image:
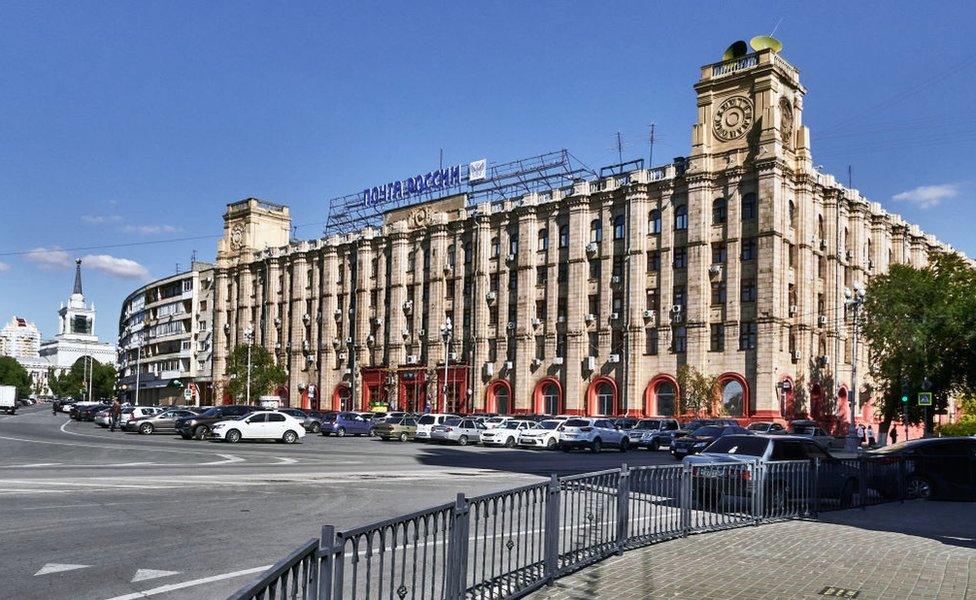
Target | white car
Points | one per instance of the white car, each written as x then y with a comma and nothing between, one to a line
136,412
493,422
545,434
426,422
261,425
505,434
592,433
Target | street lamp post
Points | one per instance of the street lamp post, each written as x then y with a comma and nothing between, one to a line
138,365
447,330
854,298
249,337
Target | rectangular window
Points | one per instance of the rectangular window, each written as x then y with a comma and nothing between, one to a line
493,316
618,267
718,292
450,292
541,275
593,343
595,269
748,290
680,342
492,350
650,341
562,275
510,348
679,296
717,340
718,253
561,309
652,300
493,283
747,336
561,346
680,258
593,304
749,249
540,310
653,261
540,346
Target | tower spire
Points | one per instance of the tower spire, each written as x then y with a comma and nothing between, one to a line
77,289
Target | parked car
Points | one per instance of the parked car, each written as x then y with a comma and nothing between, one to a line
811,430
695,424
507,434
935,468
702,437
311,420
426,422
462,431
259,425
545,434
136,412
724,471
198,426
158,422
347,423
767,427
495,421
78,409
103,418
652,433
88,413
396,428
594,434
625,423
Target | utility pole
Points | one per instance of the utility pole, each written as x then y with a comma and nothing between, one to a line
620,150
447,329
249,337
138,366
650,158
854,300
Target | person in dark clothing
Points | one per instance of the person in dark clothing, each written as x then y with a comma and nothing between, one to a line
55,406
893,434
114,413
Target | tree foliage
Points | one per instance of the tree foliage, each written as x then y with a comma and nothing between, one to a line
13,373
699,391
265,374
74,381
920,323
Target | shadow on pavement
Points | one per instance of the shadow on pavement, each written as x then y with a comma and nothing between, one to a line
951,523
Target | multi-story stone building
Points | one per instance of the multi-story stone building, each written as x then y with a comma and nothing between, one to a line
588,298
166,336
21,340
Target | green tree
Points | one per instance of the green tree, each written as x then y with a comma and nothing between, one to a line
265,374
74,381
13,373
920,323
699,392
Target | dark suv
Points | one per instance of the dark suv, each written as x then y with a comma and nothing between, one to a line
198,426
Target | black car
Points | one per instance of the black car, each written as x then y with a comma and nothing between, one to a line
935,468
198,426
87,413
701,437
625,423
691,426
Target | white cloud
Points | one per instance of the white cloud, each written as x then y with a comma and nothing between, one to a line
49,258
115,266
928,196
4,267
150,229
100,219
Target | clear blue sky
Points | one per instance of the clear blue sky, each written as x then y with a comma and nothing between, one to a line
139,121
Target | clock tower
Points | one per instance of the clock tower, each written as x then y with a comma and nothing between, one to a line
252,225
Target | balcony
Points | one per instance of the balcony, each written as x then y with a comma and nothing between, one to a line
732,66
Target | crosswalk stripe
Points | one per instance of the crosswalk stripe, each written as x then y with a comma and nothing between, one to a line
58,568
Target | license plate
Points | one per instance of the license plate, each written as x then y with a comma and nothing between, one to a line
711,473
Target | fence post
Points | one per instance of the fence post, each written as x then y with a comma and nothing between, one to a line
684,500
457,549
623,508
759,482
337,573
815,465
552,530
324,565
862,481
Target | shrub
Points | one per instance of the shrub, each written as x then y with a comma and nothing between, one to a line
962,428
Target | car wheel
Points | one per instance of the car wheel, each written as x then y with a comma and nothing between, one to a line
510,442
201,432
233,436
316,428
146,428
623,444
920,487
463,440
371,434
290,437
847,494
596,445
186,437
655,445
341,432
551,444
403,436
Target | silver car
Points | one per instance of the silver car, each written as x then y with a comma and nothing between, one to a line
461,431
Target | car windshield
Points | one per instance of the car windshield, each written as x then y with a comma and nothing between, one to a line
647,424
495,420
748,446
510,425
547,424
709,430
452,421
694,425
803,430
213,412
758,427
426,420
577,423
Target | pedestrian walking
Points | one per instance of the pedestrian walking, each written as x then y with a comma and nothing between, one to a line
860,433
870,433
54,407
114,414
893,434
426,407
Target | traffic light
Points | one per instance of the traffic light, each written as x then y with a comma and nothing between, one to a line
904,394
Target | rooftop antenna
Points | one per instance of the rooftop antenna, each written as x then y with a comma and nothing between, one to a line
193,256
778,23
620,149
850,178
650,158
177,268
441,166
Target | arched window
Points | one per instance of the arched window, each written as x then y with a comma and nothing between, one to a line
618,227
654,222
665,394
791,214
732,395
543,239
467,253
846,242
596,231
550,399
681,217
719,211
564,236
450,255
494,247
749,209
820,228
499,392
604,398
513,243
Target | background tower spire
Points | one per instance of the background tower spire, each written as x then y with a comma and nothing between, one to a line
77,289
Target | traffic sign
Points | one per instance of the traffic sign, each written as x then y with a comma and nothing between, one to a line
925,398
187,394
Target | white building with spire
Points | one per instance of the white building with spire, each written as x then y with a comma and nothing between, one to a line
76,333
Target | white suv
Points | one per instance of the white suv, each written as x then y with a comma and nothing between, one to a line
426,422
506,434
595,434
545,434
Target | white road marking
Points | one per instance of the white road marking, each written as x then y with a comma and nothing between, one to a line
285,461
58,568
193,582
144,574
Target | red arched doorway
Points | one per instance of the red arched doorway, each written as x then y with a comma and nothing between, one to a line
787,398
602,397
342,397
282,393
733,395
498,397
661,397
548,397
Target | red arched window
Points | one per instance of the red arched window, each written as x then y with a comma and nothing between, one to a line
548,397
342,397
734,395
498,397
661,398
602,397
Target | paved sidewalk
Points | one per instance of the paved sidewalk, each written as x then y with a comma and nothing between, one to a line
924,550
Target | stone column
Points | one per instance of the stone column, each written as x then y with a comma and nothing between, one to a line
525,263
221,340
635,277
576,338
296,327
479,323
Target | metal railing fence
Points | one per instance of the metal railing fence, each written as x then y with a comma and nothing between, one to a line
510,543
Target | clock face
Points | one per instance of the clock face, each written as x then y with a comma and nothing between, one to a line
733,118
237,237
786,123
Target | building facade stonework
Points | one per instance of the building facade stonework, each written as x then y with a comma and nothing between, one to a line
586,300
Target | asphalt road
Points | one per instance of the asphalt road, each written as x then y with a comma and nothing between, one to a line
93,515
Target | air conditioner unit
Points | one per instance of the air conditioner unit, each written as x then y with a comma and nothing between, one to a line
511,325
823,360
307,317
423,332
377,321
453,357
649,314
590,318
277,345
823,244
614,358
306,345
870,265
849,254
509,366
557,360
591,248
795,356
590,363
615,279
370,340
561,319
310,358
448,268
792,310
715,270
536,362
491,296
341,356
489,369
511,258
614,316
405,332
822,320
536,322
412,359
408,306
348,341
277,322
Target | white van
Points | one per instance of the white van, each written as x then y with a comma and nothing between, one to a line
426,422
